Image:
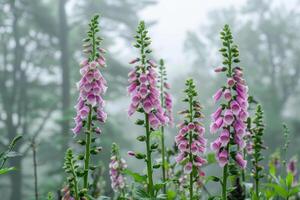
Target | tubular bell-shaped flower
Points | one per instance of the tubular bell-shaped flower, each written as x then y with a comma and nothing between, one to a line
190,139
117,166
145,98
230,117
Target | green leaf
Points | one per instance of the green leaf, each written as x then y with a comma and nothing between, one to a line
6,170
211,158
141,194
289,180
295,190
159,186
278,189
155,134
136,176
213,178
171,195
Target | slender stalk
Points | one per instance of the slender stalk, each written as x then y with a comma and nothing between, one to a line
224,183
225,170
89,126
163,150
36,193
87,149
190,154
75,182
149,161
257,187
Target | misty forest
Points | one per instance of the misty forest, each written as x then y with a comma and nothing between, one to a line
149,99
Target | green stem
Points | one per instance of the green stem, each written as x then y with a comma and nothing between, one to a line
149,161
190,144
89,126
224,183
163,150
75,181
257,187
163,159
87,149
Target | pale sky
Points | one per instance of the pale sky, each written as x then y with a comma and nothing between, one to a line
174,18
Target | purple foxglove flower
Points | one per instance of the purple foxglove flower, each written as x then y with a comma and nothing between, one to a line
188,168
291,167
190,139
222,158
199,161
183,145
91,88
215,126
117,166
235,107
167,85
191,126
243,115
224,137
200,129
131,153
152,63
227,95
228,117
216,145
220,69
236,112
217,113
240,160
218,95
134,61
230,82
180,157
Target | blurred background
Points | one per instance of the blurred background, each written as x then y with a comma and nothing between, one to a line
40,48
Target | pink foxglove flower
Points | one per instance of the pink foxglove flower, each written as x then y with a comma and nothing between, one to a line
117,166
230,117
292,168
190,139
146,96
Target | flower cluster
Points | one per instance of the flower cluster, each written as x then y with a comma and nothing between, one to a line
92,84
190,139
230,117
116,167
143,90
166,98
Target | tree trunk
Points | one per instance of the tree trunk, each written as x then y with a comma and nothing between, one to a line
64,61
16,176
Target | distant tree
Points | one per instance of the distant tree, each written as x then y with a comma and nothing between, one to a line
27,97
39,48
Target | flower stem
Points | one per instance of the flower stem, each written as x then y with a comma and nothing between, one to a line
75,182
163,150
257,187
190,144
163,159
224,183
87,149
149,161
89,124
